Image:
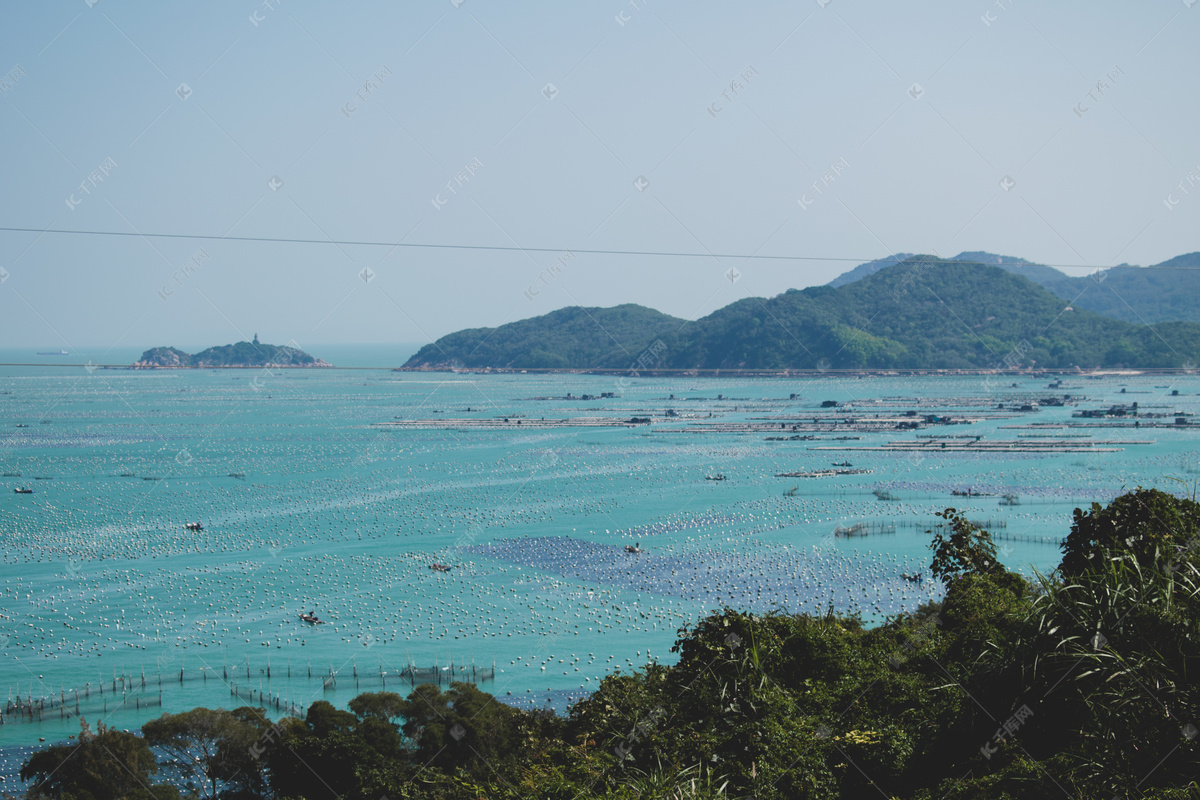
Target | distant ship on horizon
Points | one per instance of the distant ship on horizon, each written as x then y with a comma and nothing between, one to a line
55,353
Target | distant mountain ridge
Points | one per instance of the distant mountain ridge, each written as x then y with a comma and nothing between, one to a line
919,313
241,354
1168,293
869,268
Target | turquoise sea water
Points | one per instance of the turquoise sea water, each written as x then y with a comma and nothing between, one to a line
309,505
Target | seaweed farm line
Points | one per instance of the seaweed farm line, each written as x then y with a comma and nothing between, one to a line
1018,446
996,528
868,528
134,692
191,539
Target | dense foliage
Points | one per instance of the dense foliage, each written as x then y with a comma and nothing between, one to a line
1038,273
869,268
106,764
922,313
1077,685
1169,292
569,338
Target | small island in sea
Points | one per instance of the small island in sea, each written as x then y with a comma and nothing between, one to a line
241,354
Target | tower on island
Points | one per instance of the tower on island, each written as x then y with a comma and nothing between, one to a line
256,338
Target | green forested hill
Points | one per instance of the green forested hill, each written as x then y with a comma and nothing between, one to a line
929,313
568,338
1134,294
1168,292
922,313
869,268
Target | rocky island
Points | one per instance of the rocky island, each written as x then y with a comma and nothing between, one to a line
241,354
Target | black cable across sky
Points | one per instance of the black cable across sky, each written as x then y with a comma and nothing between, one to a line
499,248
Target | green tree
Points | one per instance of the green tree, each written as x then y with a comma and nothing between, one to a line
239,753
466,729
105,765
966,550
333,754
381,705
200,740
1148,524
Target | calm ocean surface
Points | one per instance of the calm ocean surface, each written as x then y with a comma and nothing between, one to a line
308,505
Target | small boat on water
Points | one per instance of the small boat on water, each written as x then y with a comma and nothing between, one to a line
440,567
842,464
634,548
22,490
912,577
720,476
311,619
194,526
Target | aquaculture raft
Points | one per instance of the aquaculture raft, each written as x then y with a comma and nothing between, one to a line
980,445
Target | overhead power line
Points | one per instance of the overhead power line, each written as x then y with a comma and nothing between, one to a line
500,248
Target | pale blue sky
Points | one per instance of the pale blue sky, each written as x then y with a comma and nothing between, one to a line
561,107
